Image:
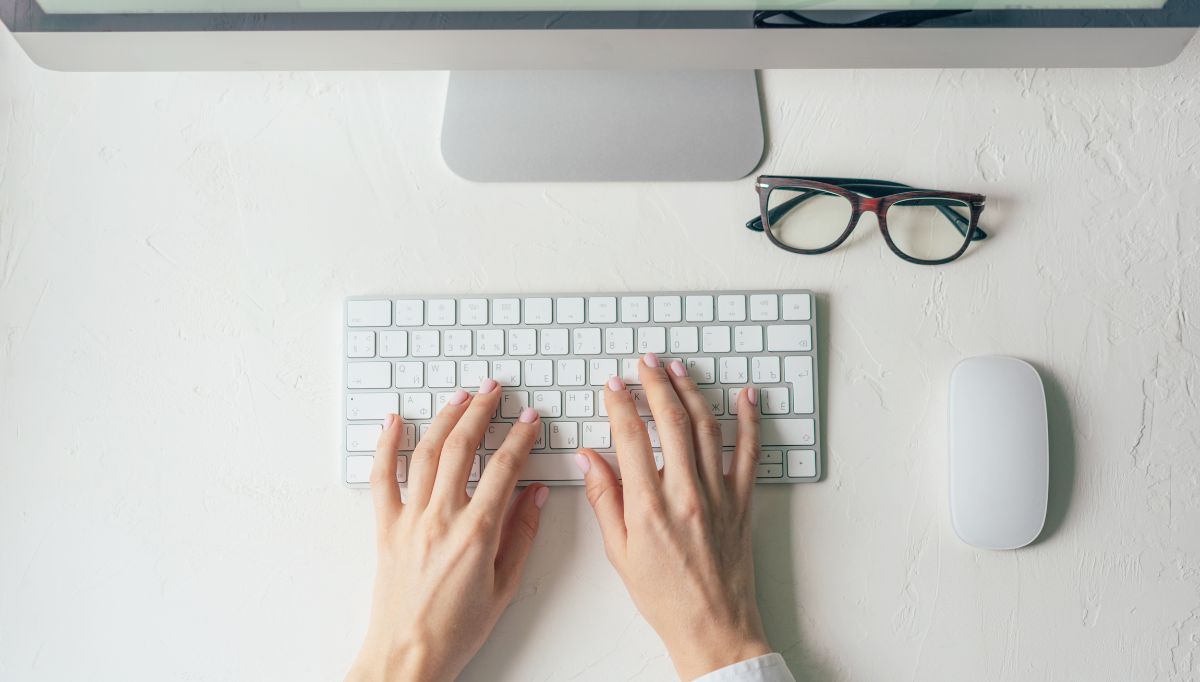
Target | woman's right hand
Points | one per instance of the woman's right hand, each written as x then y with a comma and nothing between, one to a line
680,538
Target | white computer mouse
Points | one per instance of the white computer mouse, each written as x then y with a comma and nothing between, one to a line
999,452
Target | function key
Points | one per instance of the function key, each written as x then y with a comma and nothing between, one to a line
368,313
635,309
698,308
569,311
473,311
731,308
538,311
764,307
602,310
506,311
797,307
668,309
410,313
441,312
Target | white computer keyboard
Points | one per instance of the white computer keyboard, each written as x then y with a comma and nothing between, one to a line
408,355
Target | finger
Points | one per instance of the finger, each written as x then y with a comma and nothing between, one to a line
706,431
423,463
744,468
504,467
458,452
385,491
605,496
638,473
673,422
517,539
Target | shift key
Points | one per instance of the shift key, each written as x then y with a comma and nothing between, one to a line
773,431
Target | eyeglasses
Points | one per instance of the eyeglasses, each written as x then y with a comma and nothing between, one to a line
815,215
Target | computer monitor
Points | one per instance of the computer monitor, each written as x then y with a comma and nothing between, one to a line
598,89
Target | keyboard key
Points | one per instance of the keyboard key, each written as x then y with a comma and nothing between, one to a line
564,435
410,313
652,432
489,342
698,308
472,373
426,344
586,341
551,467
512,403
716,400
668,309
618,341
368,313
393,344
601,370
440,400
368,375
731,308
789,337
410,374
798,371
702,370
685,340
797,307
506,311
569,311
580,404
416,406
473,312
548,403
539,372
473,476
522,342
602,310
769,470
630,372
716,339
358,468
441,312
539,443
408,437
734,398
371,405
771,456
555,341
801,463
571,372
456,343
635,309
641,402
495,434
440,374
774,431
538,311
748,339
774,400
507,372
596,435
651,340
764,370
764,307
362,437
360,345
734,370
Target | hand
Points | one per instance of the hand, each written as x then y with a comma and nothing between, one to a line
449,564
680,539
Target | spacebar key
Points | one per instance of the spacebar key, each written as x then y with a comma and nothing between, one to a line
773,431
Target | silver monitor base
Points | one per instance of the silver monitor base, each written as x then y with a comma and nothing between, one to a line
548,126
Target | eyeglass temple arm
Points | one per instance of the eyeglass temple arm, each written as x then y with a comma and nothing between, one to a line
756,223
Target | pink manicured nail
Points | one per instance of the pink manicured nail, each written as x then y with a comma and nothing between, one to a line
387,421
528,415
583,462
651,360
752,395
460,396
540,497
677,368
487,385
616,384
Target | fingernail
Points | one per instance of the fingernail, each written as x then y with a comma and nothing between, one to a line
752,395
460,396
651,360
583,462
540,497
677,368
616,384
528,415
487,385
387,421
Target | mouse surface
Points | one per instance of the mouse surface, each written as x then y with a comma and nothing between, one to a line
999,452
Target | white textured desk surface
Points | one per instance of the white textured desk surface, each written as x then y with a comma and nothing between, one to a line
174,249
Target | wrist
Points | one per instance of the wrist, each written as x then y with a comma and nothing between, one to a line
709,651
401,663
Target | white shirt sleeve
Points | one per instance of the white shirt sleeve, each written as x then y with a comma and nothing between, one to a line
768,668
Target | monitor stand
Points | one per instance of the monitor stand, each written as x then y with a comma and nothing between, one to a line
550,126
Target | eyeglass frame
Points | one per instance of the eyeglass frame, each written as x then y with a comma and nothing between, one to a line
873,196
